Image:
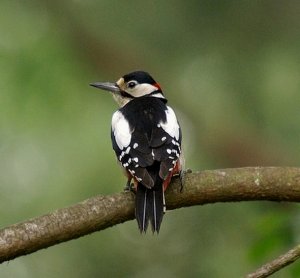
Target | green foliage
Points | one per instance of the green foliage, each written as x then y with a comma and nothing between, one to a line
231,71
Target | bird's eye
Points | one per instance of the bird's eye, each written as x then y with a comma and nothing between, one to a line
131,84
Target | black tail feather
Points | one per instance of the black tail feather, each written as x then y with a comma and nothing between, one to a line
149,207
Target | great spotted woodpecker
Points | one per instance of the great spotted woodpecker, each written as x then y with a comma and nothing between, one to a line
146,138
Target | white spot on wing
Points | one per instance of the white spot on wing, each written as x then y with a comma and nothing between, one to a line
135,159
164,138
135,145
121,130
121,156
175,143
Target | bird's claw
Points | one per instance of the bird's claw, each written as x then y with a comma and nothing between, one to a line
129,187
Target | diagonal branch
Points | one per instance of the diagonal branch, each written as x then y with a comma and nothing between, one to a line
101,212
277,264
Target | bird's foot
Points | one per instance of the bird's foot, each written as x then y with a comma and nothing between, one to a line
129,187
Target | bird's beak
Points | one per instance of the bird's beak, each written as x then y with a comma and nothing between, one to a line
107,86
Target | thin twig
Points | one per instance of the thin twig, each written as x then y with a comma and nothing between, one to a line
277,264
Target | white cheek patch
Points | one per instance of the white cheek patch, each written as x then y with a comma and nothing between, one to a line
158,95
142,90
171,125
121,130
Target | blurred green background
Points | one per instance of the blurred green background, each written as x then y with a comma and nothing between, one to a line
230,69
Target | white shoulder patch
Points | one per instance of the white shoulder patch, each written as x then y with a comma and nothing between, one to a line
121,130
171,126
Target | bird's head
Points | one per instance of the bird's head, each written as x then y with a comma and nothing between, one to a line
132,85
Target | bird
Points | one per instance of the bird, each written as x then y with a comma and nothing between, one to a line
146,138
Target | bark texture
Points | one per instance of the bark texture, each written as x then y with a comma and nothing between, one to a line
277,264
101,212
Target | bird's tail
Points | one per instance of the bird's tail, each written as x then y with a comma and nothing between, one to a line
150,206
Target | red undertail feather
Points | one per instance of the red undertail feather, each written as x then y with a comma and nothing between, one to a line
176,170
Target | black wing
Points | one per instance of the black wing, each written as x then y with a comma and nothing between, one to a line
149,138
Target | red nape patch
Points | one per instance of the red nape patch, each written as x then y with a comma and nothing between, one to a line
157,86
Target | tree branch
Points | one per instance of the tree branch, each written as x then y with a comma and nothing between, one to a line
277,264
101,212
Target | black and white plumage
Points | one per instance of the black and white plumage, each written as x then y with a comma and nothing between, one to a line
146,138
